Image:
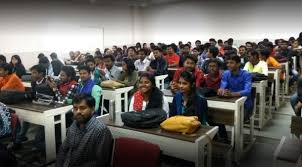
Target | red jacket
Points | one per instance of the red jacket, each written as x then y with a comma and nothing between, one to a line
199,76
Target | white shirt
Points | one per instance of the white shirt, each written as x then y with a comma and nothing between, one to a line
142,65
165,105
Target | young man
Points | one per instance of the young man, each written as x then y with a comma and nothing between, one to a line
158,66
212,53
142,63
95,72
185,52
212,42
2,59
112,71
56,64
88,141
8,80
189,66
131,53
197,43
213,78
243,55
255,65
236,82
172,58
46,64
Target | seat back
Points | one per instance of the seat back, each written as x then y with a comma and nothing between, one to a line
160,81
129,152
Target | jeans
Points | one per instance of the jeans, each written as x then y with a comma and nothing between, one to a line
294,100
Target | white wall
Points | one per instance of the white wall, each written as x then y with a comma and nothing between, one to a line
241,20
22,24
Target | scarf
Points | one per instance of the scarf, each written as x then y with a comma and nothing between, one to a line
138,101
65,87
85,87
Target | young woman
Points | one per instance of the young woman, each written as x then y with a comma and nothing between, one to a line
148,95
128,76
17,65
186,101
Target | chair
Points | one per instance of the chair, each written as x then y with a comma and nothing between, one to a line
129,152
160,81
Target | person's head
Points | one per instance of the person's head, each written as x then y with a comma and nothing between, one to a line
212,42
197,43
2,59
38,72
265,53
295,44
248,46
220,43
90,63
83,108
146,83
142,54
213,66
196,51
233,62
5,69
53,56
98,59
84,72
125,47
108,60
171,49
279,42
145,46
180,43
226,43
230,41
157,52
97,50
44,61
15,60
71,55
213,52
131,52
186,83
138,45
284,44
190,63
253,57
128,65
186,49
67,73
114,48
291,40
242,50
41,55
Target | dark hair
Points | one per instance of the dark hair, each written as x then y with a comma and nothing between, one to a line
70,72
3,58
98,57
110,57
98,53
214,50
133,48
234,57
187,76
7,67
197,41
90,60
197,48
43,60
16,57
191,57
220,41
78,98
212,40
173,47
39,68
186,45
156,96
157,48
143,50
53,55
83,67
130,65
41,55
265,52
242,46
249,43
213,60
254,53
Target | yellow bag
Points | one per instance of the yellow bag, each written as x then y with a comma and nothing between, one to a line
183,124
111,84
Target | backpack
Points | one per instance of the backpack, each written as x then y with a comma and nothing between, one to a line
12,97
5,120
150,118
182,124
258,77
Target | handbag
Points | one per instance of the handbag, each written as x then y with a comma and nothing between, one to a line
111,84
150,118
182,124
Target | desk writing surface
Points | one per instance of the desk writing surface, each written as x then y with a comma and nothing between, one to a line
28,105
156,131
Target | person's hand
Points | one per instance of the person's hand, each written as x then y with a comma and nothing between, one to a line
102,72
227,93
220,92
52,84
173,86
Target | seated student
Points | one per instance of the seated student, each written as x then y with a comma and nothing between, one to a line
189,66
131,53
95,72
9,81
99,62
159,65
196,52
212,53
148,95
66,86
88,141
128,76
172,58
142,63
187,101
112,71
46,64
243,55
18,67
213,78
56,64
185,51
265,55
237,82
255,65
2,59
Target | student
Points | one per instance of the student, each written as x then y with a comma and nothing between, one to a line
66,86
17,65
88,141
95,72
243,55
212,42
46,64
197,43
142,63
236,82
196,52
185,52
158,66
189,66
112,71
213,78
249,46
255,65
56,64
9,81
128,76
296,99
2,59
265,55
148,95
212,53
172,58
99,62
131,53
187,101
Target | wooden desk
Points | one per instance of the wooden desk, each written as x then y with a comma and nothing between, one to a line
261,90
234,104
45,116
191,148
276,73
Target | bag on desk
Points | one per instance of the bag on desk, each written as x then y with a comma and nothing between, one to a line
111,84
150,118
12,97
183,124
258,77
